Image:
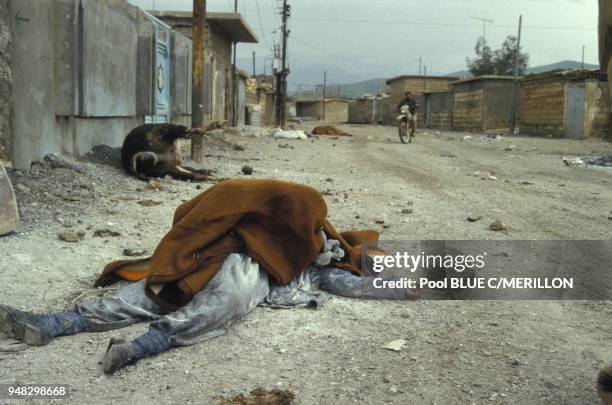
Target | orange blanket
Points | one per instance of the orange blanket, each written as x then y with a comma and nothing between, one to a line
277,223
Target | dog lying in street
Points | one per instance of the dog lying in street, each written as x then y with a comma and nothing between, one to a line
150,150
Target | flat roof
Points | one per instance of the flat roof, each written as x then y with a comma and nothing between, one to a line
484,77
231,23
567,75
447,78
327,100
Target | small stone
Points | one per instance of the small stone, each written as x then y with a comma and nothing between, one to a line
154,185
379,221
498,226
393,389
238,147
149,203
407,211
474,218
104,233
71,236
23,188
491,177
247,170
510,148
329,180
134,252
386,380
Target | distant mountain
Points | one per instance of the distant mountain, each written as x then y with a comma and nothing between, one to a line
563,65
366,86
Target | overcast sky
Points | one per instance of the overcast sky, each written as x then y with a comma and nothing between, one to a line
357,39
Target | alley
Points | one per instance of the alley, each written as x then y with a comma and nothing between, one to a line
468,351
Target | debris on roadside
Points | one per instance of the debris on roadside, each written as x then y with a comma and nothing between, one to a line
259,396
56,162
603,161
407,211
329,130
106,233
239,148
71,236
149,203
474,218
498,226
395,345
286,134
511,148
247,170
467,138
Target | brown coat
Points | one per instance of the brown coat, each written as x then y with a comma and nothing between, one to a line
276,223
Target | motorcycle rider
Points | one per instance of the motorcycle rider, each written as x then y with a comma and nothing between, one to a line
414,107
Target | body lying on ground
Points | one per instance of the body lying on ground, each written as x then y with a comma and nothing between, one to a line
240,244
151,150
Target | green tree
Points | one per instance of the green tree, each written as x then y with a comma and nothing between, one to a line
504,58
483,63
500,62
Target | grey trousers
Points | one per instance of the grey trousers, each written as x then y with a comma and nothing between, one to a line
237,288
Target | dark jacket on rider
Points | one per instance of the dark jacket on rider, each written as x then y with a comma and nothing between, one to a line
414,106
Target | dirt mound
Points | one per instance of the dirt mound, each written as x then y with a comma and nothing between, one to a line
329,130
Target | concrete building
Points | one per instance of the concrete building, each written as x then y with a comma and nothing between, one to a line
80,73
482,103
336,109
565,104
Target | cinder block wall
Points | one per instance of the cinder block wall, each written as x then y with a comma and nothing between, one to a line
497,104
441,114
361,111
6,81
542,106
468,110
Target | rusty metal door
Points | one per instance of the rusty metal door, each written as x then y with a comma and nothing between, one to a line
574,113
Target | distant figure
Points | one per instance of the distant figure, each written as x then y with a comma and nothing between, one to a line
414,108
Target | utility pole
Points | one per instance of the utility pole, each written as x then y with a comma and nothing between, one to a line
420,64
254,65
197,79
425,80
234,81
484,25
324,101
582,65
515,83
281,118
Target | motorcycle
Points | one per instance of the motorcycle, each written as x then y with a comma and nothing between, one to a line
405,129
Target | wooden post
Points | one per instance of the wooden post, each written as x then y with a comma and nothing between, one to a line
197,79
515,83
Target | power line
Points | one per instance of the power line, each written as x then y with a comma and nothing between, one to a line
263,32
345,58
439,24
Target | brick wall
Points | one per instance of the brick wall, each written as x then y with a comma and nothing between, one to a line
468,108
542,106
440,107
498,104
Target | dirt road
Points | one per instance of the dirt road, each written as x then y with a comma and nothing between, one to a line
457,352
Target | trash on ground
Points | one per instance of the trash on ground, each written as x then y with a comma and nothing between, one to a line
131,252
467,138
474,218
284,134
395,345
603,161
154,185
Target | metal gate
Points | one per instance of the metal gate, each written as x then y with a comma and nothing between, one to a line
574,115
162,102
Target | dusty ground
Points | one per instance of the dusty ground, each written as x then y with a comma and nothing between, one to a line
457,352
